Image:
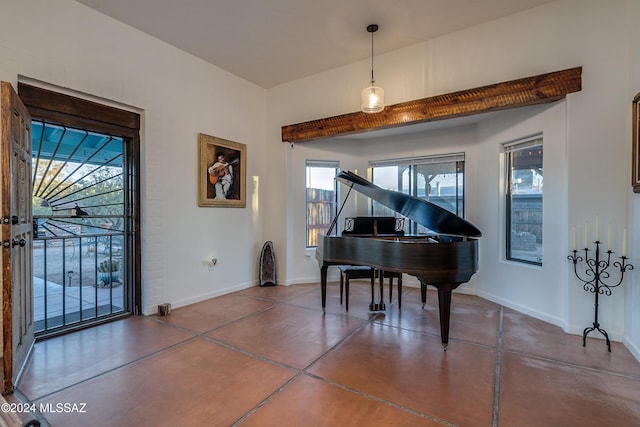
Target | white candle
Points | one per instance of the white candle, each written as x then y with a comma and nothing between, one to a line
597,229
609,236
624,243
575,244
586,235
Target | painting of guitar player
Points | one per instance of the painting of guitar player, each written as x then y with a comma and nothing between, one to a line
222,172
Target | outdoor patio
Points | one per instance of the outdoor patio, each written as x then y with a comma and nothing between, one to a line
70,304
67,288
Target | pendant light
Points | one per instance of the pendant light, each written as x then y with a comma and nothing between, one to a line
372,95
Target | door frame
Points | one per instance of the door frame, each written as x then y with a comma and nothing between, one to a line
58,108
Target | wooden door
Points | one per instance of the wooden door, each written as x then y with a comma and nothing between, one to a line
17,228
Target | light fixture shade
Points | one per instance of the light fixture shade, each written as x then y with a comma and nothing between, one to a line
372,99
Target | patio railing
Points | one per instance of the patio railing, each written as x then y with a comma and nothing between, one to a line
77,279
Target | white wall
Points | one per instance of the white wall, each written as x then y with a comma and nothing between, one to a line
632,286
538,291
587,146
71,46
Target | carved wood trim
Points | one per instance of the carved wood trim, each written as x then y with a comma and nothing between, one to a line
540,89
55,107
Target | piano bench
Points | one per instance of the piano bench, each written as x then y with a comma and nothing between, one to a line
348,272
393,275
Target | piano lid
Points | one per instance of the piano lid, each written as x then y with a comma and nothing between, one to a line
435,218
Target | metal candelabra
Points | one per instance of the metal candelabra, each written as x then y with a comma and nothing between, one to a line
595,276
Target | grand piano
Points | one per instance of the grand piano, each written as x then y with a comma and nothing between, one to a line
444,260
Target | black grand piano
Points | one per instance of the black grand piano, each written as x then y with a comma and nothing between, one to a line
444,260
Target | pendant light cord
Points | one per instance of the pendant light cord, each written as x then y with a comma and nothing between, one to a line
372,79
372,29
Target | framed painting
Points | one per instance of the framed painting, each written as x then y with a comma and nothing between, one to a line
221,172
635,179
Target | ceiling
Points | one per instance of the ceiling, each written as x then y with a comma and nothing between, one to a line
270,42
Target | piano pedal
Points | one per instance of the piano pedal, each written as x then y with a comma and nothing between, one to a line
379,306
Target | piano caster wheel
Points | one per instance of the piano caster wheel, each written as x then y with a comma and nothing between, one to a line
444,347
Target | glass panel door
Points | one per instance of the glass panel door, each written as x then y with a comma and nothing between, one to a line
79,220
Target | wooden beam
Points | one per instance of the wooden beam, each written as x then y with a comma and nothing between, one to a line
58,108
540,89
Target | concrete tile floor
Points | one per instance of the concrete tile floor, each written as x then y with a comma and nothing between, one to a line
270,357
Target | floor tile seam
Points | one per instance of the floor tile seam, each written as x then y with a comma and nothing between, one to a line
275,362
239,319
354,316
574,365
266,400
205,335
263,298
371,317
257,297
337,313
381,400
306,307
338,344
250,354
116,368
437,335
497,373
334,313
159,320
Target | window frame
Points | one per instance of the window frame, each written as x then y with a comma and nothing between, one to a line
333,212
412,164
531,142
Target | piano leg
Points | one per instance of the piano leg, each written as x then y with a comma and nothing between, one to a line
373,292
323,285
380,306
444,303
423,293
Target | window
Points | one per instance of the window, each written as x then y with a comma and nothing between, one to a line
438,179
321,199
524,180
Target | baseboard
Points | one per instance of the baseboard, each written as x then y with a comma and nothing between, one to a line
525,310
153,309
632,347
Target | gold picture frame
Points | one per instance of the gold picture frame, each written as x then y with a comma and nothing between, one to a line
221,172
635,169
